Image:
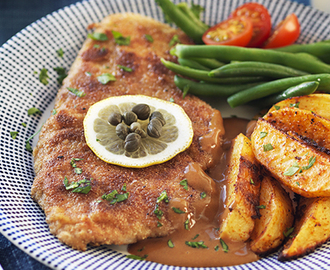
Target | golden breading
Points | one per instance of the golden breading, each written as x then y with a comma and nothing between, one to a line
81,219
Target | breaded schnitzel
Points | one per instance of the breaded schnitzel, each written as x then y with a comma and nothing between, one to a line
79,219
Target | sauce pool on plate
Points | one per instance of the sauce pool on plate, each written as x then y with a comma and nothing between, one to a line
196,241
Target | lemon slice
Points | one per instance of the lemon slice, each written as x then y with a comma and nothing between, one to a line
101,137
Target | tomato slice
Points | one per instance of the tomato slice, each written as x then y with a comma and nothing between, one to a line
234,31
261,21
285,33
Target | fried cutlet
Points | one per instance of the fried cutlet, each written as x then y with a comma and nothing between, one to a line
79,219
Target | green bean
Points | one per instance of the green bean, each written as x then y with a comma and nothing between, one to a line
302,89
192,64
320,50
277,86
250,68
202,75
182,20
184,7
210,89
232,53
208,62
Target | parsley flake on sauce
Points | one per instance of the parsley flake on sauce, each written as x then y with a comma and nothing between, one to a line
198,244
203,195
170,243
98,36
120,39
224,246
184,183
77,92
105,78
43,76
186,224
178,210
135,257
13,134
33,111
158,213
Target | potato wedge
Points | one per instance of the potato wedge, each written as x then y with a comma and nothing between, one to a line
243,186
318,103
311,229
275,218
306,125
296,165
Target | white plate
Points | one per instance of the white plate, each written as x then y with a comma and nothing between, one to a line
34,48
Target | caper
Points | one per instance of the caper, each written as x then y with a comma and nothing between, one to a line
122,131
115,118
159,116
142,111
154,128
129,118
136,128
132,142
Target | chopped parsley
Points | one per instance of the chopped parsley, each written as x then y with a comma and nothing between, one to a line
197,244
88,74
170,243
13,134
203,195
251,181
175,39
261,206
263,134
61,74
77,92
185,90
82,186
224,246
115,197
292,170
43,76
268,147
178,210
184,183
98,36
120,39
159,213
163,197
73,162
78,170
311,161
149,38
277,107
54,112
171,99
105,78
27,142
195,236
128,69
135,257
288,232
216,248
23,124
60,52
159,224
96,46
186,224
33,111
124,188
298,184
295,105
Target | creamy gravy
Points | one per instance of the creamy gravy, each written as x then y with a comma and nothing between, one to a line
204,222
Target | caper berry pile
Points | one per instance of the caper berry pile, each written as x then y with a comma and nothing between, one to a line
130,130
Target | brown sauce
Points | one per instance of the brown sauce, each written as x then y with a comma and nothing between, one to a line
204,222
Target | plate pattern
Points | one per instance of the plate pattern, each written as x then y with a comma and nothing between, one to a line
34,48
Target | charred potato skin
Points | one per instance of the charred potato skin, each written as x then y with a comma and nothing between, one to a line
276,217
311,229
287,150
243,187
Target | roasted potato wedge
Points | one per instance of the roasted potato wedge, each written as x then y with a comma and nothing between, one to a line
243,186
296,165
275,218
305,125
311,229
318,103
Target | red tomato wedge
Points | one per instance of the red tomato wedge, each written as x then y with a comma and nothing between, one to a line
235,31
285,33
260,19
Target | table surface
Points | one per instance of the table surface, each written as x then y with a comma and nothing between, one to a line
14,16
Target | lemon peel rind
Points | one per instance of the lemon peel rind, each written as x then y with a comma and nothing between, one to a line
183,123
